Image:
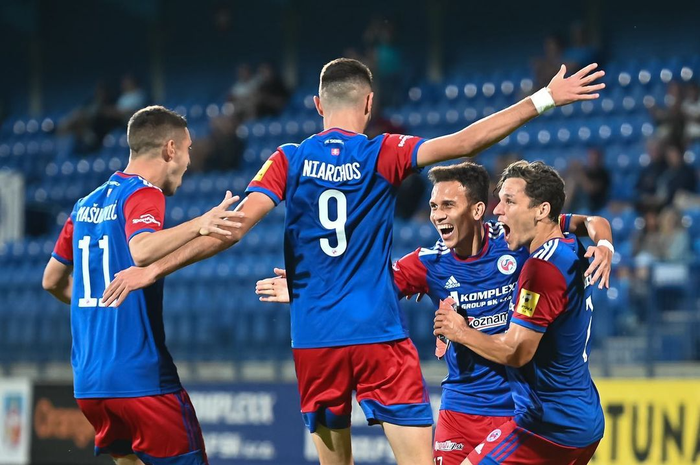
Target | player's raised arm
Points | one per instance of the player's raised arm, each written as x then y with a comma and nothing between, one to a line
600,232
253,208
488,131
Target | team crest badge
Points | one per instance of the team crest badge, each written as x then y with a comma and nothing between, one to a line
495,434
507,264
335,151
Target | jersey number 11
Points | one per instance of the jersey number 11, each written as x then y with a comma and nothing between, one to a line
84,246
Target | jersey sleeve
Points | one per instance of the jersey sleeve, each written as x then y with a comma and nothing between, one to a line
398,157
542,295
410,274
565,222
63,250
144,211
271,180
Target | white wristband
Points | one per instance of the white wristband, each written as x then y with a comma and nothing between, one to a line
606,243
543,101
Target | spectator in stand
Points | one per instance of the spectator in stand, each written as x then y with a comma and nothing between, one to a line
580,50
81,121
132,98
385,58
674,236
242,93
668,117
677,177
588,186
547,65
646,183
691,113
272,94
647,244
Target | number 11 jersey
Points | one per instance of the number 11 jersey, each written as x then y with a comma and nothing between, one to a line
117,351
340,192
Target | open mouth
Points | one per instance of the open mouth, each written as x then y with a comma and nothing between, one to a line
506,228
446,230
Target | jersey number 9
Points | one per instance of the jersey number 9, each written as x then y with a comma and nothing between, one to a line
338,224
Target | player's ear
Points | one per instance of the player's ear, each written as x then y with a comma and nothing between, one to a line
169,150
317,102
478,210
368,103
543,210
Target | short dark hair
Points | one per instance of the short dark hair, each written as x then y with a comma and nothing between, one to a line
542,184
473,177
149,128
342,77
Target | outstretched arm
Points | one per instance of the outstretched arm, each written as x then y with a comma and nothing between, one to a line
148,247
253,208
600,232
488,131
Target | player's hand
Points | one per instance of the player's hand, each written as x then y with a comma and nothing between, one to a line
126,281
274,289
219,217
578,86
600,266
448,322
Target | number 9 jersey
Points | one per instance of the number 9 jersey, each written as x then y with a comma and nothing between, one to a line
340,191
117,351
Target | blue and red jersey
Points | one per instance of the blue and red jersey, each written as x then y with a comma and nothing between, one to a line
117,351
340,192
554,394
482,285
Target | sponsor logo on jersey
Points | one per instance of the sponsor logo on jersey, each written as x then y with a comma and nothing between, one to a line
448,446
331,172
97,214
527,303
507,264
452,283
495,434
146,219
263,170
488,321
500,292
334,141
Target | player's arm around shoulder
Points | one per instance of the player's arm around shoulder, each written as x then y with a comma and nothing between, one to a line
599,231
515,348
488,131
57,280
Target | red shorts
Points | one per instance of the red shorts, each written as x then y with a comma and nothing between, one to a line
457,434
511,444
386,376
152,427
